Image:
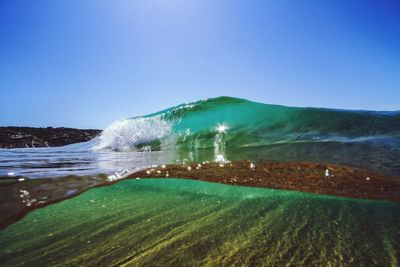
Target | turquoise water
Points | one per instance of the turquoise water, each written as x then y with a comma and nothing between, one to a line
190,223
240,129
235,128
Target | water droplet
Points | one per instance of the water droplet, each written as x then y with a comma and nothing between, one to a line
252,165
327,173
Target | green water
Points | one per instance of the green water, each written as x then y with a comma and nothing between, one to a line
175,222
262,123
258,120
257,131
189,223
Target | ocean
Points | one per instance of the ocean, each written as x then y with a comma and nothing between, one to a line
182,222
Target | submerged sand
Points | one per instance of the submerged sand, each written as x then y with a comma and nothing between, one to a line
310,177
329,179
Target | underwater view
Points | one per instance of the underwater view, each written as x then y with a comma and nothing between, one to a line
218,182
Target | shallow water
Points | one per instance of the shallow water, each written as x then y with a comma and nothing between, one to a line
171,222
190,223
73,160
62,161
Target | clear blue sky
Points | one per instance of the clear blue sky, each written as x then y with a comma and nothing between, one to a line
87,63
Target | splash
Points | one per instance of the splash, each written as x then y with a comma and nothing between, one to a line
132,133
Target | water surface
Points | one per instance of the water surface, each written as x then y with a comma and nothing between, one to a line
186,223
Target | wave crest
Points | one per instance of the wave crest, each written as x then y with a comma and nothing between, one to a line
131,133
196,125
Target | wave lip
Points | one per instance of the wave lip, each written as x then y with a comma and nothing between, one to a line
129,133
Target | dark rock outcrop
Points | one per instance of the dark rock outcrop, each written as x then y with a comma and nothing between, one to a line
13,137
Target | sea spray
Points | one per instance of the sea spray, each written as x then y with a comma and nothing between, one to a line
128,134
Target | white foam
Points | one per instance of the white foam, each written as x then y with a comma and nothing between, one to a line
127,134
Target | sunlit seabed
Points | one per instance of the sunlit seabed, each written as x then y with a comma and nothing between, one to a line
188,223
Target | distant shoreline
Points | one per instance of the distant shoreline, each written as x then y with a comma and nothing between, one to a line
24,137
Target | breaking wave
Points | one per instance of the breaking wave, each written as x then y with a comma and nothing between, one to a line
243,123
130,133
